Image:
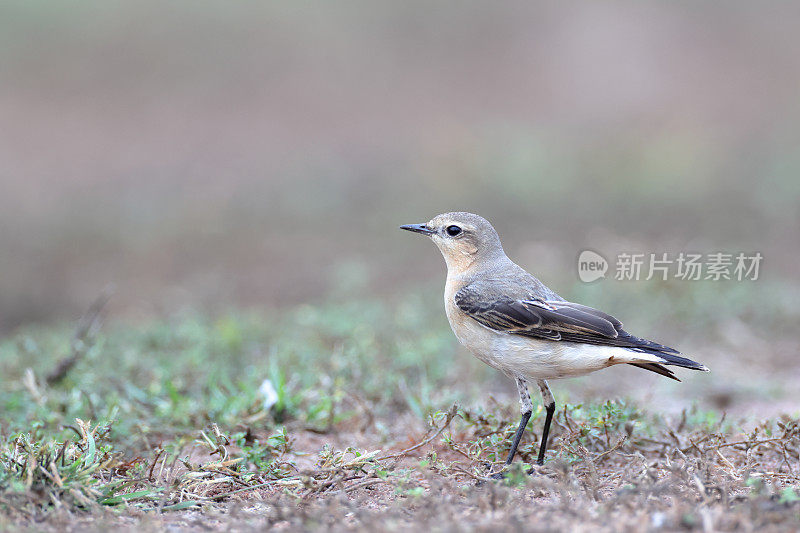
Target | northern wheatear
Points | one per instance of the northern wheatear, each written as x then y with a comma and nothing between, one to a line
511,321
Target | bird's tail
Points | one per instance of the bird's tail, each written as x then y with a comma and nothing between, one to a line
677,360
672,360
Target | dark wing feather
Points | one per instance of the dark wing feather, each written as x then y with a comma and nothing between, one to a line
568,318
586,308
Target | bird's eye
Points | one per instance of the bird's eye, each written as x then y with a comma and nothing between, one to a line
453,230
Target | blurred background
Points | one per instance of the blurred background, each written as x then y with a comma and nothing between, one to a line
212,155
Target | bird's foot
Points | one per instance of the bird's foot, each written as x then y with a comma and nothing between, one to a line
509,470
495,476
536,468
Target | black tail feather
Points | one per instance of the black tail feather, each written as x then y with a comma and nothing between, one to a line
670,359
658,369
676,360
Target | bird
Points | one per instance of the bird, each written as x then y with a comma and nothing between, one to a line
514,323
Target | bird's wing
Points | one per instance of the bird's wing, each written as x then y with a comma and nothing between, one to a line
526,315
511,309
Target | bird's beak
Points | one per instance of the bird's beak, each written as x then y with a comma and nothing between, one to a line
418,228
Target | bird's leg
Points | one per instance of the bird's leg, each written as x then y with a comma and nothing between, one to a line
550,406
527,408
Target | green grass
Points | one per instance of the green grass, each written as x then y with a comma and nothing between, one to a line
190,370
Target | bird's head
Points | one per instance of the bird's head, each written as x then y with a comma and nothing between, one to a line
463,238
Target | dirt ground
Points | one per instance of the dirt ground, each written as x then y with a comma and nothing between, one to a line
688,475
